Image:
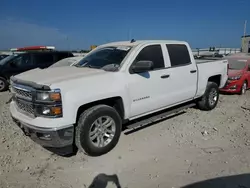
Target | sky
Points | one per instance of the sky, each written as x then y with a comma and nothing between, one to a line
77,24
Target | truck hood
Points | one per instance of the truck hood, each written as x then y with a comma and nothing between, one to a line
232,73
54,75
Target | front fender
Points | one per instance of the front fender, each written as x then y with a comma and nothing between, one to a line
72,101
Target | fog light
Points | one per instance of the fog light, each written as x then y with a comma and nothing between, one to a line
233,87
68,132
44,136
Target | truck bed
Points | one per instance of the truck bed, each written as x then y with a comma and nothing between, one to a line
208,68
207,60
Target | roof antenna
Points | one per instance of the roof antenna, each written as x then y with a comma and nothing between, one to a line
133,40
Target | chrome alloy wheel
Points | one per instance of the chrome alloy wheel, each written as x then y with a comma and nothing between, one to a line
102,131
213,97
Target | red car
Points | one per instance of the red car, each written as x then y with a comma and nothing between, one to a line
238,74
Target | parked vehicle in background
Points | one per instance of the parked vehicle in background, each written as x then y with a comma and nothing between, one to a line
24,61
238,75
87,104
2,56
70,61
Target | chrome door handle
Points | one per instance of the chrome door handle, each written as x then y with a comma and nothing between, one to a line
165,76
193,71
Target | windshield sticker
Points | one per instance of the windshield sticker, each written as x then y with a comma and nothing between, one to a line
242,60
125,48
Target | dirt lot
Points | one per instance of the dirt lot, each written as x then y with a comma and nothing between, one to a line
185,149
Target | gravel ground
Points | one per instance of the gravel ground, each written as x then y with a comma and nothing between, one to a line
177,152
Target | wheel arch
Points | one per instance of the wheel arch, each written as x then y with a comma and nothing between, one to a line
216,79
115,102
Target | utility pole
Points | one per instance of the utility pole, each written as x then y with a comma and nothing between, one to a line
245,28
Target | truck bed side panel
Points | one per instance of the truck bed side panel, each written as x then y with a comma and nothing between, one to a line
207,69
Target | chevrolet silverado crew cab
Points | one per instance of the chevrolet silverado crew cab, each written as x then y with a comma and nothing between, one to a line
87,104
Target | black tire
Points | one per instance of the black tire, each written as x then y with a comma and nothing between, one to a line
84,124
243,88
205,103
3,84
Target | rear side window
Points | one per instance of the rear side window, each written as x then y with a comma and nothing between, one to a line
44,58
59,56
152,53
179,55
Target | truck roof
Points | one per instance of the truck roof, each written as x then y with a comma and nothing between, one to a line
138,42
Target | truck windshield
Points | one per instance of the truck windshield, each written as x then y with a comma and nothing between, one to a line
236,64
104,56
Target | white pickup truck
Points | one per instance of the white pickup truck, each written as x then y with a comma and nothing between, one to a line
86,105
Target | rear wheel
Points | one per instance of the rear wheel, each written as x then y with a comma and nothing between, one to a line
98,130
3,84
243,88
211,97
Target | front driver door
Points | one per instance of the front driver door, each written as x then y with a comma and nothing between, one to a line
148,90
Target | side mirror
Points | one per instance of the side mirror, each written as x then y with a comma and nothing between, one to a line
142,66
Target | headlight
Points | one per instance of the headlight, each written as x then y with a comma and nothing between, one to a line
49,96
49,103
49,111
234,77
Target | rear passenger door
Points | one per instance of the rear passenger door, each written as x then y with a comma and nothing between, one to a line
182,73
43,60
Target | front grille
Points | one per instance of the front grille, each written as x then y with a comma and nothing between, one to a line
25,107
22,96
22,93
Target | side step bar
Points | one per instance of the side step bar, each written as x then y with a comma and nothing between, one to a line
163,115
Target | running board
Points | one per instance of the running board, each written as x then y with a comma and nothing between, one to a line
162,115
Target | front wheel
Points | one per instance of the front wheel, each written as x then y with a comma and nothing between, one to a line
211,97
3,84
98,130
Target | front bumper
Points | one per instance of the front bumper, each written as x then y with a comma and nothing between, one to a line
57,138
231,87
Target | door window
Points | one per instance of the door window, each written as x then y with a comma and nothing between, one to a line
22,61
152,53
44,58
179,55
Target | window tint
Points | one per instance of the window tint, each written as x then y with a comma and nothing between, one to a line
152,53
178,54
44,58
22,60
60,56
